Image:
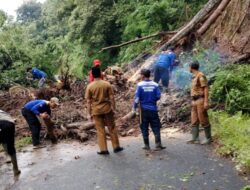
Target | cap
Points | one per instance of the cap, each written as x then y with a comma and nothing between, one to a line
96,62
55,100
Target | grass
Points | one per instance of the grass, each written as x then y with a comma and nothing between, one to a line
23,142
233,134
20,143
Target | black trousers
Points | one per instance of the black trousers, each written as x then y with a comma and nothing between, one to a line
152,118
34,125
7,136
161,74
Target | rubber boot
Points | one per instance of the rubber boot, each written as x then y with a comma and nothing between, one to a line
15,166
208,136
146,144
195,135
158,145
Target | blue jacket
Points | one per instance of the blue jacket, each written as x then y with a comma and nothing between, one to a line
164,61
38,106
147,94
38,74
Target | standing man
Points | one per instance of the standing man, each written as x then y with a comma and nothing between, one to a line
101,107
38,74
97,63
7,138
199,94
42,109
147,94
162,69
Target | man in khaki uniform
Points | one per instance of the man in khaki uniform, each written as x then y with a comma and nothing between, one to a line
199,116
101,108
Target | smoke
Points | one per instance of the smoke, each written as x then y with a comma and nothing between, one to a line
210,61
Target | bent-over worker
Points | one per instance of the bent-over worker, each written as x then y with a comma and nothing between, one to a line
38,74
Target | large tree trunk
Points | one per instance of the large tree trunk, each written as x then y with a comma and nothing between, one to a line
213,17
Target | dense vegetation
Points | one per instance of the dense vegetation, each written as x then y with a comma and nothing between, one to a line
72,32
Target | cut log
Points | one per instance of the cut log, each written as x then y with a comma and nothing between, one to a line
129,116
213,17
138,40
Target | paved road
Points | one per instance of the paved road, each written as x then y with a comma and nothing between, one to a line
72,166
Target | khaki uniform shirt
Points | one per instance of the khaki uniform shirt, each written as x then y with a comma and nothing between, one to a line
199,81
99,93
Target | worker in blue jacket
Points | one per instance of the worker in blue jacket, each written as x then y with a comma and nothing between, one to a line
164,66
38,108
147,94
38,74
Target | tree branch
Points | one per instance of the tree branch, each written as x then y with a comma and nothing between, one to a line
138,40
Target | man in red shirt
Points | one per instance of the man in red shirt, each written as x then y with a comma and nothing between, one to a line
97,63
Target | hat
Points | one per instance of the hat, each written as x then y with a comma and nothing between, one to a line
55,100
96,62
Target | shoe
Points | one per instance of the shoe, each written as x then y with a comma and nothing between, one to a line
119,149
38,146
103,152
195,136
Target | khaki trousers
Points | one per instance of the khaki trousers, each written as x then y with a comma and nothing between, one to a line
100,122
199,115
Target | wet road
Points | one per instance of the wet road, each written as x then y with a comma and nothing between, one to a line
72,166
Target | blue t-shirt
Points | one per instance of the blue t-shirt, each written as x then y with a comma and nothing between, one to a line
38,74
147,94
38,106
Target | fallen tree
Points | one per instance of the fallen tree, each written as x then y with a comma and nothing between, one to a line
138,40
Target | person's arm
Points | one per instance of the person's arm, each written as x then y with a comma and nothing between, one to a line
89,102
206,94
112,98
36,110
158,93
136,98
204,85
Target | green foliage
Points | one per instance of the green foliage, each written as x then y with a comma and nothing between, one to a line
246,188
232,87
57,32
3,18
233,133
29,11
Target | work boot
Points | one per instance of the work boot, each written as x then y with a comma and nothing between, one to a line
208,136
103,152
119,149
146,144
15,166
158,145
195,136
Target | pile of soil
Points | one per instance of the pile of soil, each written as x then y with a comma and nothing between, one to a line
71,117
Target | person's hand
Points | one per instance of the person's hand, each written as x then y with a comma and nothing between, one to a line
206,105
44,115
